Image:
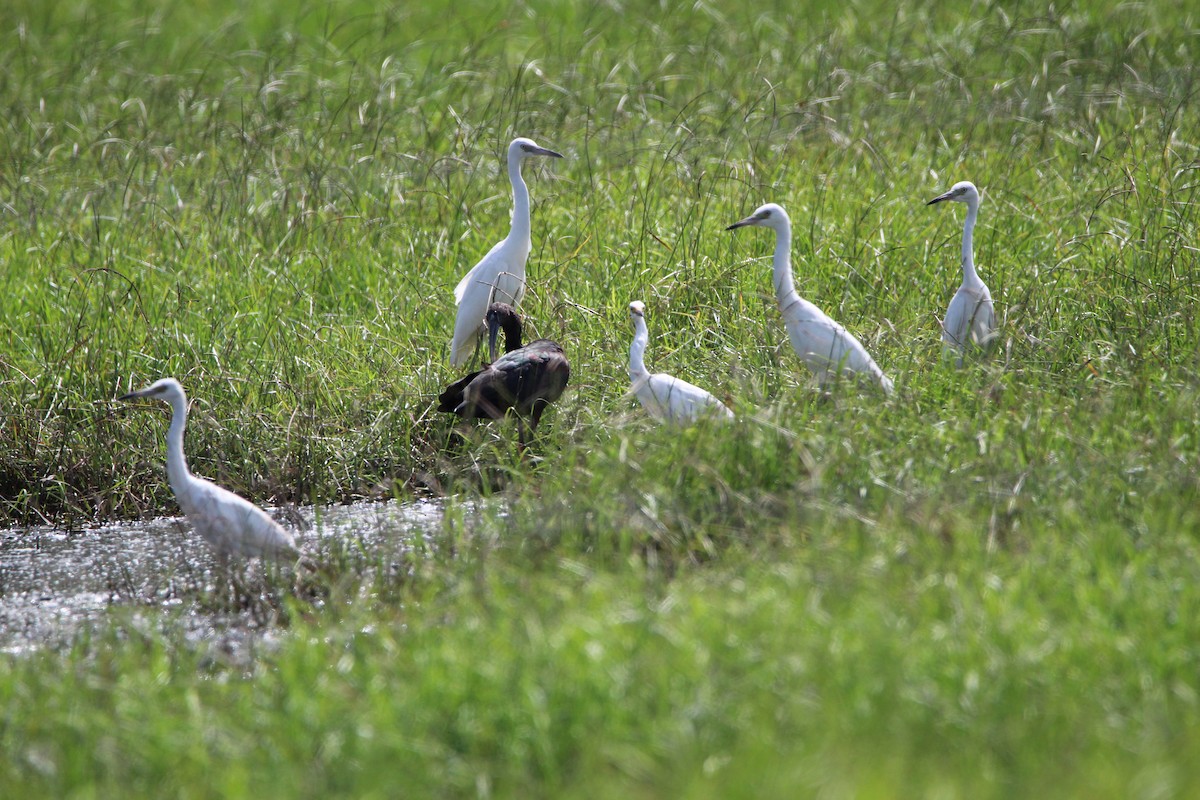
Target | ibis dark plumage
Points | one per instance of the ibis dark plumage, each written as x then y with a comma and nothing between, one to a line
526,379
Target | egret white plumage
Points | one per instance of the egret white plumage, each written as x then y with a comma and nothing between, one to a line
662,395
971,318
526,379
822,344
499,277
230,524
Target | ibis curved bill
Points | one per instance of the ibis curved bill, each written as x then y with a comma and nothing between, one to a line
823,345
230,524
526,379
499,277
971,318
663,396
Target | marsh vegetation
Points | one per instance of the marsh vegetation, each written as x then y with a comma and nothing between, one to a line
984,586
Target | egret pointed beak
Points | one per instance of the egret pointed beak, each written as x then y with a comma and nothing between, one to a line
129,396
742,224
493,324
939,198
542,151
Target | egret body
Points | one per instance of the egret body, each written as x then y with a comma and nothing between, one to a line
822,344
526,379
971,318
663,396
500,275
231,525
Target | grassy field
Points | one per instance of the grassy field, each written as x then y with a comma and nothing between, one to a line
985,586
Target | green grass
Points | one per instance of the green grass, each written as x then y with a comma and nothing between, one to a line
985,586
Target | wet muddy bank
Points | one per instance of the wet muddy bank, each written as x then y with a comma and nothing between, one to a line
57,586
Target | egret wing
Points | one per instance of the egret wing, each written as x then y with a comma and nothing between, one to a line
469,322
233,525
954,326
825,346
984,324
494,279
816,338
675,399
474,273
971,318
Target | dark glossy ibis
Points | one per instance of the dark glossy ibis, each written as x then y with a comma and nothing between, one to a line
526,379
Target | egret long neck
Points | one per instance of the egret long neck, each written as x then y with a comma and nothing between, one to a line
520,215
784,286
637,350
177,468
970,276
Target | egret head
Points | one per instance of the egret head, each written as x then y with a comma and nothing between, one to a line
637,310
502,316
961,192
768,216
522,148
162,389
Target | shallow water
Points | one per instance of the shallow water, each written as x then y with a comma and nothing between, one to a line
56,585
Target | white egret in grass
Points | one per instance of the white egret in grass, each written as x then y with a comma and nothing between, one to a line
499,277
231,525
822,344
971,318
662,395
525,380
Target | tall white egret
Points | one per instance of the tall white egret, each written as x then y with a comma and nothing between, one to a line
822,344
526,379
664,396
971,318
231,525
499,277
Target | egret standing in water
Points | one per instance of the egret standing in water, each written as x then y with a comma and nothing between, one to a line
526,379
500,275
664,396
822,344
231,525
971,318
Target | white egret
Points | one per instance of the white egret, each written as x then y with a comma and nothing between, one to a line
822,344
500,275
230,524
971,318
663,396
